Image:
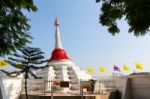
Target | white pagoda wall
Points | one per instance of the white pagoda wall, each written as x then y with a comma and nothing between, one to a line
64,71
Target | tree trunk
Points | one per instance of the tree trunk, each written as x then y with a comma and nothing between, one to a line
26,88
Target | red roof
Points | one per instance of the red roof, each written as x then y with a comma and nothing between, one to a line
58,54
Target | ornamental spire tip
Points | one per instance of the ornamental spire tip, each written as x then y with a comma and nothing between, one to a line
56,22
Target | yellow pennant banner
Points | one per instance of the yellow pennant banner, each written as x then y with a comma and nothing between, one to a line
102,69
90,70
139,66
126,67
3,63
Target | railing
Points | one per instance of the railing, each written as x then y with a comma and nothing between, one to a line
48,86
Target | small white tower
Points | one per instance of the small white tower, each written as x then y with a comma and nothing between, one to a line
57,36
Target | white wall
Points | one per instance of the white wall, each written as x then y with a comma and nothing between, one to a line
138,86
10,87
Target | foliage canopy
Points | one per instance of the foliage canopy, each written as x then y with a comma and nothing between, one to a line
14,27
136,13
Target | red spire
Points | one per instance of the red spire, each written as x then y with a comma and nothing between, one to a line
58,53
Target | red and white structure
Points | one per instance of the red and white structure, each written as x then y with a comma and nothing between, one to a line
61,68
58,53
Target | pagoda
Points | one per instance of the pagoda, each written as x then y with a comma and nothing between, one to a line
62,68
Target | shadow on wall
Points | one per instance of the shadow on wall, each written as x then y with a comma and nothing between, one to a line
0,93
115,95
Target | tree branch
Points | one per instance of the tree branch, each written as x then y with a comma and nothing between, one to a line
12,74
41,67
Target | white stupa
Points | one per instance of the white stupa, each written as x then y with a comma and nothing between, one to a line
61,68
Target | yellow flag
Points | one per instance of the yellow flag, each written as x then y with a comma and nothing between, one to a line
3,63
139,66
102,69
90,70
126,67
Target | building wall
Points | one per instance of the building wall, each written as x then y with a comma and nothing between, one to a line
119,83
140,87
137,87
116,82
10,87
100,96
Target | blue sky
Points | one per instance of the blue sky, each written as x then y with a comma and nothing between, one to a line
84,39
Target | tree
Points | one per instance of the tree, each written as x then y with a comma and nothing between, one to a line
136,13
28,60
14,27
